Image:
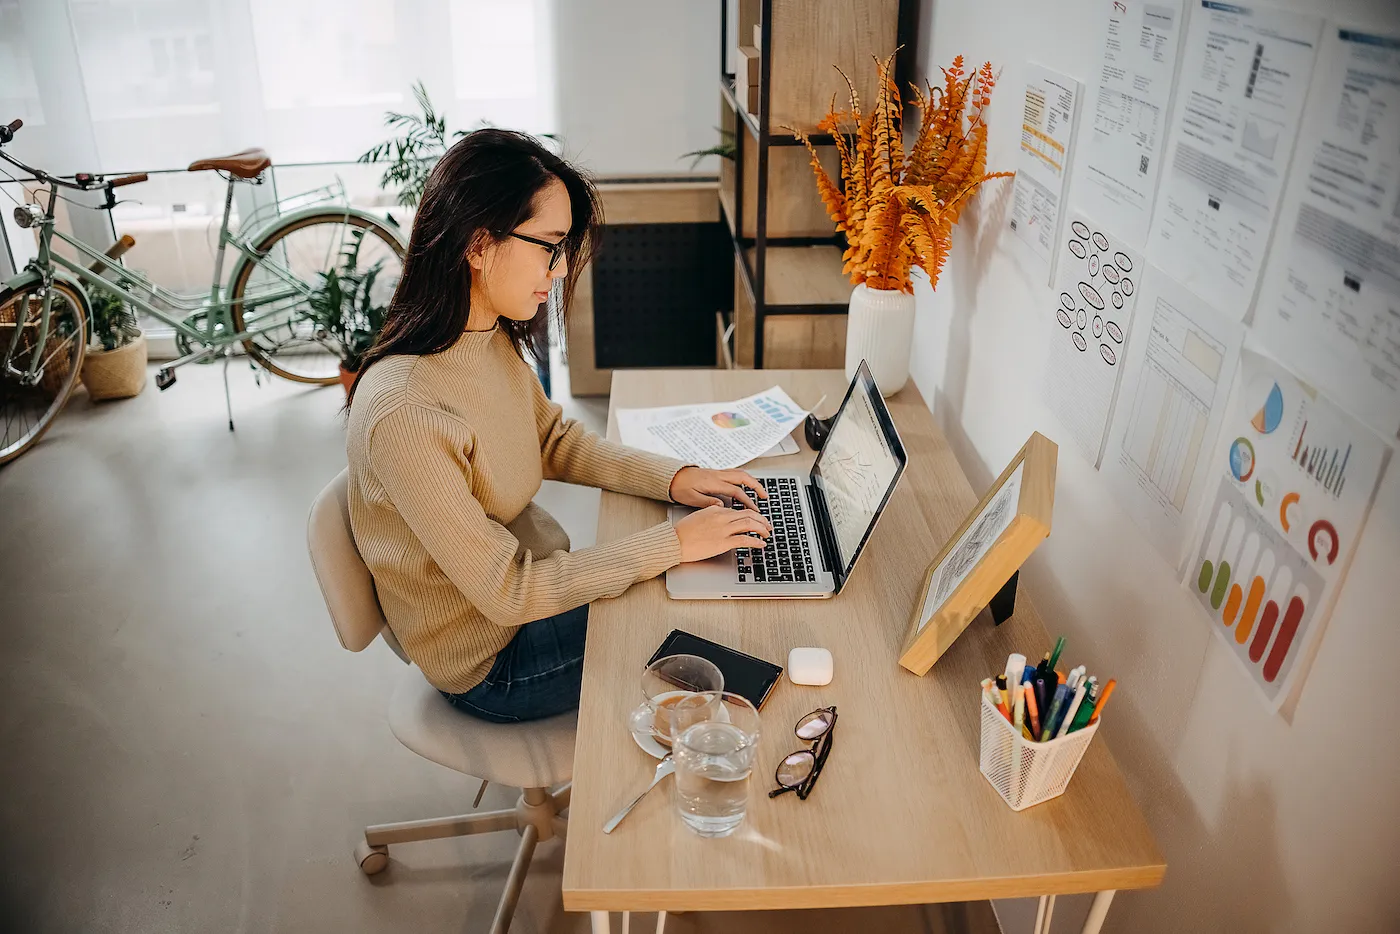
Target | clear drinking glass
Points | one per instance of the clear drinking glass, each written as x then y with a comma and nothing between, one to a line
677,690
714,759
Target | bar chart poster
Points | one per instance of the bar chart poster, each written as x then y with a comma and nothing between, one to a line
1296,476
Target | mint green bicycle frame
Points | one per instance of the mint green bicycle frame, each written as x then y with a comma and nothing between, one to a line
217,331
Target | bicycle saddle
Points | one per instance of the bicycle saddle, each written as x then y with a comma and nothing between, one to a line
249,163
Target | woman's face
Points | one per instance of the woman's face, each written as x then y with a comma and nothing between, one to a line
513,275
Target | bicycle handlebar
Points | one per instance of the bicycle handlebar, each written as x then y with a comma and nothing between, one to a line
7,132
127,180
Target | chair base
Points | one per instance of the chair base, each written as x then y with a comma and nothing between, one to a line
537,816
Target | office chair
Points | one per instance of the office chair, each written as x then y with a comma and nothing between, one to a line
534,757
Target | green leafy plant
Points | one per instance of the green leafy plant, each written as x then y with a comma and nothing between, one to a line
725,149
343,306
423,138
113,320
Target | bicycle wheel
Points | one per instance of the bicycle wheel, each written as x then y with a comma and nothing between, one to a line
27,411
287,342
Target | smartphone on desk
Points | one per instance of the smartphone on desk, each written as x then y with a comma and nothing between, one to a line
751,678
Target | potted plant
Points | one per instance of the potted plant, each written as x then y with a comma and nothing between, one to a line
896,209
115,364
348,317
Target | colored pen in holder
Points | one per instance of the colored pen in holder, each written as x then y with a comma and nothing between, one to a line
1023,772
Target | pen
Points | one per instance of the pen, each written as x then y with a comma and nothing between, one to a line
1081,717
1074,706
1057,712
1000,702
1043,696
1015,666
1103,699
1033,710
990,692
1018,718
1055,655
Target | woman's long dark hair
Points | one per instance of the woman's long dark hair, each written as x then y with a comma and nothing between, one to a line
484,185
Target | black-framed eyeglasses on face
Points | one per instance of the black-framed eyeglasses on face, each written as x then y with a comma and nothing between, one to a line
556,250
799,770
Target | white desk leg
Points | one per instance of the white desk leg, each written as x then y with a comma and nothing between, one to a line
661,922
1049,913
1040,915
602,922
1097,912
627,922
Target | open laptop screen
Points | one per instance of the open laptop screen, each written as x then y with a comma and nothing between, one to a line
858,466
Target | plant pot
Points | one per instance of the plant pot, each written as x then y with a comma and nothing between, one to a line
880,331
116,374
347,378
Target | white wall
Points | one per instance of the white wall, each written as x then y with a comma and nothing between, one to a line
638,83
1266,825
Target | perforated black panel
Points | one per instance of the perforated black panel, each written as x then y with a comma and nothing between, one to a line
656,288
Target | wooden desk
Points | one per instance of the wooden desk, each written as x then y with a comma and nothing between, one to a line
901,814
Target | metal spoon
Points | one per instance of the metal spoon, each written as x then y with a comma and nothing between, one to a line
663,768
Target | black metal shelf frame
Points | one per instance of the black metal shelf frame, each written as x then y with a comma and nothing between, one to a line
754,276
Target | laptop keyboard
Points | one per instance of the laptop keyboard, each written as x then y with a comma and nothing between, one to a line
787,557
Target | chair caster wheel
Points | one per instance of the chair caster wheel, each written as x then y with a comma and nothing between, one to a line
165,378
372,859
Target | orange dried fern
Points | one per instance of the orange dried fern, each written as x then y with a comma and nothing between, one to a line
898,210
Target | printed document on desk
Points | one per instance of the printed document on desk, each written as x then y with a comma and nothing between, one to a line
1126,135
1244,78
1177,379
717,435
1331,309
1047,142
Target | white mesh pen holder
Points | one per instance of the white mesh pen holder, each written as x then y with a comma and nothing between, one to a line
1026,773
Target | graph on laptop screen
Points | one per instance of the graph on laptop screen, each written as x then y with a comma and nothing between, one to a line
856,469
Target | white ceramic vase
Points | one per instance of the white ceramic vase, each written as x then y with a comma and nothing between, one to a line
880,331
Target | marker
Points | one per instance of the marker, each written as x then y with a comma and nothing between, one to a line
1057,712
1081,717
1033,711
1000,702
1015,666
989,691
1055,655
1103,699
1074,706
1018,717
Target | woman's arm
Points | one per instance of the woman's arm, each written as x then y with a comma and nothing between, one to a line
572,453
421,456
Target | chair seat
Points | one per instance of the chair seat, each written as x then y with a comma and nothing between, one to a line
249,163
537,754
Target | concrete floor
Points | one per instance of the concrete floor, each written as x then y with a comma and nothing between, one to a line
184,747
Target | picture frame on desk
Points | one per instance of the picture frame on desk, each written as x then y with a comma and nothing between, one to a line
989,548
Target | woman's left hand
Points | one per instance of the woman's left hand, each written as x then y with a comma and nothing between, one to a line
696,486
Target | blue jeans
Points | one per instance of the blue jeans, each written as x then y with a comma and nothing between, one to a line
538,674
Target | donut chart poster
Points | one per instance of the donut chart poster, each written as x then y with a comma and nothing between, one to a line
1293,477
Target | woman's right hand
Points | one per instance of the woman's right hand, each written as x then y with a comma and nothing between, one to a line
716,529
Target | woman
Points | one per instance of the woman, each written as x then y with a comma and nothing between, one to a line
450,435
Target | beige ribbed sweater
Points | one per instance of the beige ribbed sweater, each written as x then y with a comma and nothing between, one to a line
446,453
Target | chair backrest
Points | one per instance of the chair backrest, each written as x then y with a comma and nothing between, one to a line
346,584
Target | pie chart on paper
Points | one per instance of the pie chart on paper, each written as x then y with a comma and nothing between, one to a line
1267,418
729,420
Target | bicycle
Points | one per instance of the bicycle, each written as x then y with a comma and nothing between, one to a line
263,309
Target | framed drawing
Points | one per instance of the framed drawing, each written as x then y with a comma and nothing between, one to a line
992,544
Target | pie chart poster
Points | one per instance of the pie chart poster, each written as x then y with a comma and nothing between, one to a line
1295,480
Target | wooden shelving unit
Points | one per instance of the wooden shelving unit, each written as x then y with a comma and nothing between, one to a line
790,298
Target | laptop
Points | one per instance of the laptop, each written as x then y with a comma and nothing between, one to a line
821,519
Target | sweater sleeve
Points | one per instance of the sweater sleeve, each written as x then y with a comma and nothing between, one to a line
422,458
574,454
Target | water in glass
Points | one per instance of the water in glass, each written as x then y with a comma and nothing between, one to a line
714,759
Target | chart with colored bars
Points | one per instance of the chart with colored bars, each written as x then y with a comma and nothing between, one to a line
1254,584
